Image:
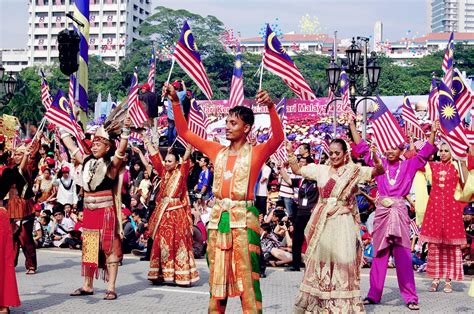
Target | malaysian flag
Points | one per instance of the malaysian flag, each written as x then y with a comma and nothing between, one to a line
60,114
448,62
277,61
137,113
451,124
188,57
346,103
198,121
237,87
281,155
151,72
433,101
408,114
386,129
462,94
324,146
45,95
72,90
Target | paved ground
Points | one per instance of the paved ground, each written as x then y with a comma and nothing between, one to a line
59,274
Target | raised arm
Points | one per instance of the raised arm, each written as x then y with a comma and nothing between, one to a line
267,149
143,159
352,127
207,147
155,158
122,147
420,160
292,160
378,168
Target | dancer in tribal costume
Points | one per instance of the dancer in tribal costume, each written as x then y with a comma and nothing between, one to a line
19,181
234,231
391,224
331,281
102,227
171,225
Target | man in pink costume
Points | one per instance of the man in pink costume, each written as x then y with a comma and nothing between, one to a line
392,224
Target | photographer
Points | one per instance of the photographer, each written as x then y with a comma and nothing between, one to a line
62,227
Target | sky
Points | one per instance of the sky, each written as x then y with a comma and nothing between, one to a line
400,18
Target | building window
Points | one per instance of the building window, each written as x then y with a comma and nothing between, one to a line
134,29
135,7
141,11
39,59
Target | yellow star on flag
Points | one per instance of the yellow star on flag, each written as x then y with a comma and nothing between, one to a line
448,112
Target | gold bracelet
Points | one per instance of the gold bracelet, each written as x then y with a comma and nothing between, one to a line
118,155
74,152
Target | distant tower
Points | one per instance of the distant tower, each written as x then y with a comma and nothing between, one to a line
378,35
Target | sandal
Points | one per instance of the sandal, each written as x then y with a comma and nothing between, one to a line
30,271
448,288
434,286
368,301
413,306
80,291
110,295
273,263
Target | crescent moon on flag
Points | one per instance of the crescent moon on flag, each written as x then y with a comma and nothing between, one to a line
442,92
269,42
63,100
186,35
457,78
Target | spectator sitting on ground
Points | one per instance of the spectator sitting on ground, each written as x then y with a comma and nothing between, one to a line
63,226
130,239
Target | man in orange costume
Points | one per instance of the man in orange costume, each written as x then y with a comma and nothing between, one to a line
234,232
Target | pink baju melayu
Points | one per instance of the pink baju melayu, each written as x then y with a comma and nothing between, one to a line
391,223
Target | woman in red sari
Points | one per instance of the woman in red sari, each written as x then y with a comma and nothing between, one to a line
171,225
443,226
8,287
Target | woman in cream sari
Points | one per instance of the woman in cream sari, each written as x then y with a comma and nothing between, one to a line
331,282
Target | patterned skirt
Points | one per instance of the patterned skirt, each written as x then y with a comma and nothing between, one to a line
331,281
444,261
172,259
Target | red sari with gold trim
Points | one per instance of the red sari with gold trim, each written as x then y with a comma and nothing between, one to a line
172,259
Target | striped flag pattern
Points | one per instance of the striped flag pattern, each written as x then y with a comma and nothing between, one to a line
451,124
411,120
72,90
448,62
325,146
60,114
277,61
462,94
45,94
386,129
137,113
237,86
189,59
151,72
198,121
433,101
281,155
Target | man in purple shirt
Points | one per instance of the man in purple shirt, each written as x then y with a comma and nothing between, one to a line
391,224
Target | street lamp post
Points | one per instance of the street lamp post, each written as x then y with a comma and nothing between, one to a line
354,67
7,86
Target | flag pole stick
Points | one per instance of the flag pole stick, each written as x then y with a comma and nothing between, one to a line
461,172
169,76
261,76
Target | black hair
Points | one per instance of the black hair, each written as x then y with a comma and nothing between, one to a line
137,212
243,113
58,208
206,160
280,203
175,154
340,142
306,146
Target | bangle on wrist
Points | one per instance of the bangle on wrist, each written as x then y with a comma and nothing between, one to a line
125,130
124,136
119,156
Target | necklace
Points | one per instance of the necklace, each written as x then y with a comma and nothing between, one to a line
339,171
394,180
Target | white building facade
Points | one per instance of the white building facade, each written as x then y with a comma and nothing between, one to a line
113,25
451,15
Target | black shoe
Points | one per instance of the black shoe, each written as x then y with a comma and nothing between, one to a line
137,252
145,259
292,268
263,275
